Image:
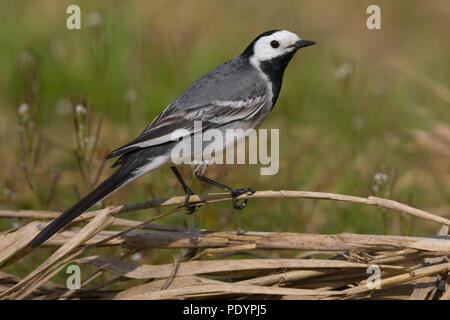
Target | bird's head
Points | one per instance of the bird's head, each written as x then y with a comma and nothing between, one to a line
275,44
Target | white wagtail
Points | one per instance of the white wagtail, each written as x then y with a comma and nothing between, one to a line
239,93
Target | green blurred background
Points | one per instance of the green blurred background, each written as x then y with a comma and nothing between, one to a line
363,112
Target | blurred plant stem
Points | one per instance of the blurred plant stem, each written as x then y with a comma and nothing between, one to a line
86,145
30,142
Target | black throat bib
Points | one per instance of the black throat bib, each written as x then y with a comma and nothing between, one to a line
274,69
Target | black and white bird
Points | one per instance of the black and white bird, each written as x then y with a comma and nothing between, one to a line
239,93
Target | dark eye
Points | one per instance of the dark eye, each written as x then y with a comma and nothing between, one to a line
274,44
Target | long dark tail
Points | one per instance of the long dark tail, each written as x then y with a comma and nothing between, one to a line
133,165
111,184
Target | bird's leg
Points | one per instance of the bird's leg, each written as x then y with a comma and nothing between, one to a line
187,190
200,172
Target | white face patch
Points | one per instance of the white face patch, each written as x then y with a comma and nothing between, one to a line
263,50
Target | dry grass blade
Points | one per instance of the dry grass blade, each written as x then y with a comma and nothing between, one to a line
32,280
446,294
279,278
225,241
426,287
341,276
13,242
132,270
211,251
226,289
402,278
269,194
282,240
136,292
61,238
43,277
35,214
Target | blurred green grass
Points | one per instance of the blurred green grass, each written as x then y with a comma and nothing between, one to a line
346,111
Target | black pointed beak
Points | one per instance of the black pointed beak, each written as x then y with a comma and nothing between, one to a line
303,43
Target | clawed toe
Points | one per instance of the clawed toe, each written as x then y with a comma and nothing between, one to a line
236,193
189,209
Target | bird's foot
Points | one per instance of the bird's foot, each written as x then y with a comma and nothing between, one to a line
190,209
237,192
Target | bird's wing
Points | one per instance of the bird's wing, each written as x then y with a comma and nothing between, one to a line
212,115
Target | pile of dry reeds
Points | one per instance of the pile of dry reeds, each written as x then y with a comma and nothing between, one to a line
339,266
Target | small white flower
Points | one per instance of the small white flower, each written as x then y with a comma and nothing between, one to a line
23,109
137,256
80,109
344,70
94,19
380,177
